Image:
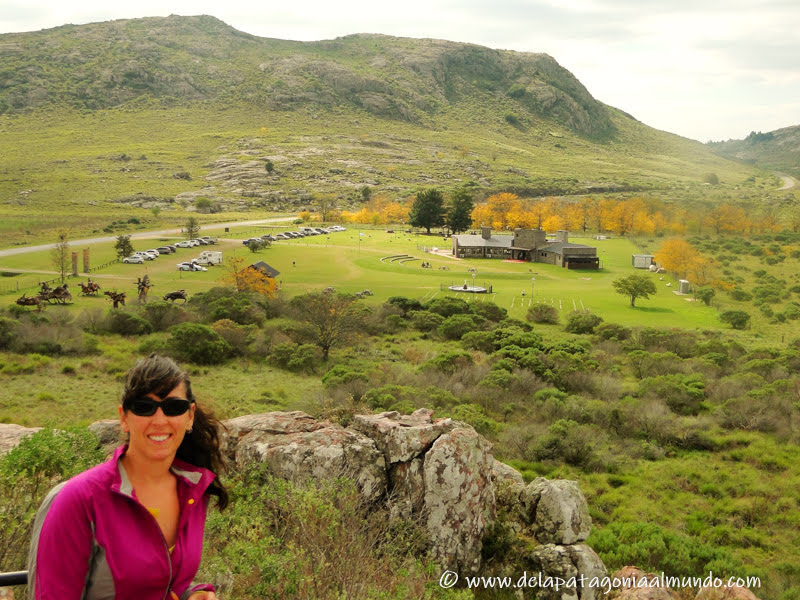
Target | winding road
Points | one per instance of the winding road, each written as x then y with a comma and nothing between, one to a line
789,182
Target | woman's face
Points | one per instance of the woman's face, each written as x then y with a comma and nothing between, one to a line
158,436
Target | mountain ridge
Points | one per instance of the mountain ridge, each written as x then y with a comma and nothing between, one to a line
778,150
105,65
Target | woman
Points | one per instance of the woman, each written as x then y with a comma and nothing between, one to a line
132,528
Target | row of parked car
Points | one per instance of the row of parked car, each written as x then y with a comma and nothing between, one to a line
138,258
289,235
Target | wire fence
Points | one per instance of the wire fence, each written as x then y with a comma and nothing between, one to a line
16,287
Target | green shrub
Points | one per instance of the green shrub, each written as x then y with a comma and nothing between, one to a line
490,311
423,320
612,331
294,357
741,295
567,441
738,319
582,322
479,340
449,362
126,323
457,325
341,374
473,414
198,344
448,306
542,313
162,315
684,394
405,304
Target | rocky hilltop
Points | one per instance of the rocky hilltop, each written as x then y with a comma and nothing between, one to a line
177,59
779,149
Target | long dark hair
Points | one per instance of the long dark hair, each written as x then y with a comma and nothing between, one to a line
160,375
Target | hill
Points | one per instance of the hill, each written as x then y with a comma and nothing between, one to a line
779,149
133,115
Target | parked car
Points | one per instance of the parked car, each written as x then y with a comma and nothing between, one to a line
209,240
190,266
201,242
145,255
165,250
153,251
249,240
133,260
184,244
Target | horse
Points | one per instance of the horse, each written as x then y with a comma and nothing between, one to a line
116,297
177,295
30,301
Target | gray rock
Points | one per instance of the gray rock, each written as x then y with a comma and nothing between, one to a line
508,484
108,431
406,489
459,498
11,435
402,437
557,511
575,565
296,447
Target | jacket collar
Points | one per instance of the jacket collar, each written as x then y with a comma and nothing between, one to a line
196,479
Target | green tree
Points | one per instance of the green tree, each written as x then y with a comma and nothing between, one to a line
459,211
427,210
192,228
706,294
60,255
123,246
635,286
738,319
366,193
329,318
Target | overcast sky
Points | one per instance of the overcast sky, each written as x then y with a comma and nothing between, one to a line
704,69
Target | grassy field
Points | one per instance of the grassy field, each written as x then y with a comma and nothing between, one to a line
355,260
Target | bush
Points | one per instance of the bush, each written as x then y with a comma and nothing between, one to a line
162,315
741,295
294,357
582,322
612,331
341,374
447,306
237,336
423,320
455,326
474,415
568,441
449,362
198,344
490,311
738,319
405,304
684,394
479,340
542,313
27,473
127,323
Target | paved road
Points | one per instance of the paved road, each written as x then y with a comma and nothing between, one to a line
789,182
139,235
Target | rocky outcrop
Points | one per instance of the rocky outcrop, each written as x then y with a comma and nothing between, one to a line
571,565
557,511
11,435
438,472
296,447
459,498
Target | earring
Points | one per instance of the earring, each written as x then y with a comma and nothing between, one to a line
189,430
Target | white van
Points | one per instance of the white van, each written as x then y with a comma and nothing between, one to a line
209,257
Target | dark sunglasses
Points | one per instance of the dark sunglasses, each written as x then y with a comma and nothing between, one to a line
147,407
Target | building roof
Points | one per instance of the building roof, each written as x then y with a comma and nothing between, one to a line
561,246
477,241
266,269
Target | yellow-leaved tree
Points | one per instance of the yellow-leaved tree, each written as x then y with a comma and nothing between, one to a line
246,278
678,256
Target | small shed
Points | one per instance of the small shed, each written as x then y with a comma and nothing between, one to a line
642,261
265,269
684,287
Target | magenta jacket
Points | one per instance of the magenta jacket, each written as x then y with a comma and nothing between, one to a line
93,540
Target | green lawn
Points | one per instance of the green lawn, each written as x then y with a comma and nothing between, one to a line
352,262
